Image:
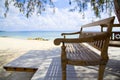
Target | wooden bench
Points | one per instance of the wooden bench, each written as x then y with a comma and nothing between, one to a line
115,36
74,52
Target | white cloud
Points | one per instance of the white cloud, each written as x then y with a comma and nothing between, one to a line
61,20
54,0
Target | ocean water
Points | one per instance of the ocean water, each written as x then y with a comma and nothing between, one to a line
50,35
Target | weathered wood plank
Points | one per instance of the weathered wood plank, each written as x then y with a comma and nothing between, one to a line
100,22
30,61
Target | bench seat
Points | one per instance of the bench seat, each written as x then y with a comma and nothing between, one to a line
77,52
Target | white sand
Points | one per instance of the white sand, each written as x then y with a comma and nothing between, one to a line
24,44
11,48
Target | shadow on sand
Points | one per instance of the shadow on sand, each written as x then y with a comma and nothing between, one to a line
35,58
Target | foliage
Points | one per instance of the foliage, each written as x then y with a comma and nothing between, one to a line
98,6
28,7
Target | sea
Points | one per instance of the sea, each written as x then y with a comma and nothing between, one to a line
49,35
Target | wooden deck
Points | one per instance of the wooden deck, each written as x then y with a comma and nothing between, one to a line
47,66
53,72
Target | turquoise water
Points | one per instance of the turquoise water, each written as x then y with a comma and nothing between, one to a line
50,35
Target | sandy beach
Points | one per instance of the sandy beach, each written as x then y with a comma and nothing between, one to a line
11,48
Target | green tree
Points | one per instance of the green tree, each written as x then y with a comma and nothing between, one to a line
28,7
98,6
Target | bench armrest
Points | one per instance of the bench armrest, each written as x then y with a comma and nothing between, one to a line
72,33
102,36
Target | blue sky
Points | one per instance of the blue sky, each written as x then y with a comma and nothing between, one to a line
62,20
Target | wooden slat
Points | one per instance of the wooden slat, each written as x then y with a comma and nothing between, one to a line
101,22
114,25
78,53
97,44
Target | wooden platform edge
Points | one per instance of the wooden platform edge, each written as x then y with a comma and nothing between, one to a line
22,69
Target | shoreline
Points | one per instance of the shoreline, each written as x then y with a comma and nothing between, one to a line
49,35
27,38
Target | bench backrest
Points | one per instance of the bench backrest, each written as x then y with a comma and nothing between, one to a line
115,36
101,44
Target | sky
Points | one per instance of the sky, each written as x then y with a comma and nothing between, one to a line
61,20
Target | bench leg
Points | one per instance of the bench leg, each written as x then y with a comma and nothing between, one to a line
101,72
63,70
